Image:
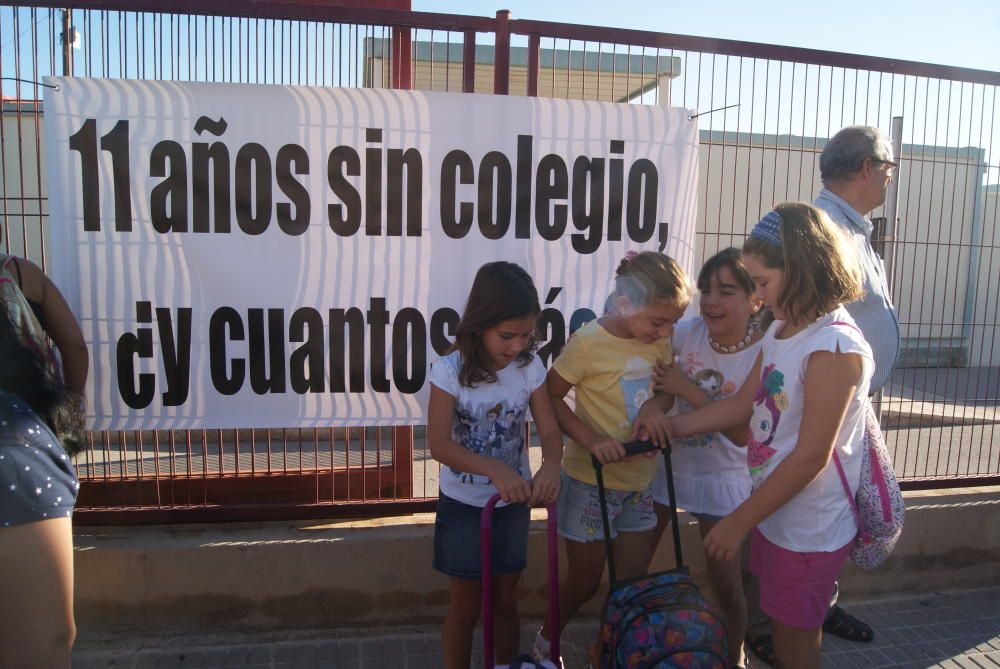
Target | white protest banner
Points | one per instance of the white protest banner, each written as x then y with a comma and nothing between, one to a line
283,256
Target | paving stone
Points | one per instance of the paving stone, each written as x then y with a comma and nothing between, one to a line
189,660
848,661
947,630
305,653
417,645
393,647
907,650
948,664
327,651
100,661
918,652
873,657
881,639
959,646
237,657
893,637
914,634
966,627
349,652
259,655
371,651
147,660
836,644
937,632
982,662
284,653
424,661
436,660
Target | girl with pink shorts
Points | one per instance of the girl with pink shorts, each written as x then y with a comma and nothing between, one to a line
805,401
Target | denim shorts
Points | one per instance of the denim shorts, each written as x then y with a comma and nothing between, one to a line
456,538
580,511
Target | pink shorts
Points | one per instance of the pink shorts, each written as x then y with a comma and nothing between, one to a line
795,588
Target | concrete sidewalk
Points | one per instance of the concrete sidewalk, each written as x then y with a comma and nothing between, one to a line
951,629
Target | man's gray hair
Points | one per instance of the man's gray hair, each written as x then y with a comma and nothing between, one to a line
847,151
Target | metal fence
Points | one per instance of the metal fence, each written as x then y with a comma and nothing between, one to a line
776,106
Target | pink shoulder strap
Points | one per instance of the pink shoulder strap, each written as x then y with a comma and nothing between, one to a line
840,467
850,325
847,491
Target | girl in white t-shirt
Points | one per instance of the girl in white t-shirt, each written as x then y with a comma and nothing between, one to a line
713,355
806,402
479,399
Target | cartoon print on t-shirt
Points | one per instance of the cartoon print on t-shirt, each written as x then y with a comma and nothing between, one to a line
636,386
769,401
710,381
713,383
494,429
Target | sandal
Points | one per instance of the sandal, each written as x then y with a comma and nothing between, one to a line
762,647
843,624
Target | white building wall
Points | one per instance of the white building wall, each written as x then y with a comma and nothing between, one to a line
23,208
984,341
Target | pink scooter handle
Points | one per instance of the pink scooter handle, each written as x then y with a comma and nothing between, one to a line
486,553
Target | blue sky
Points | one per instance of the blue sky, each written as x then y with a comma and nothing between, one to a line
964,33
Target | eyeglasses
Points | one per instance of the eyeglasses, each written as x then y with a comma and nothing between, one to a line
892,165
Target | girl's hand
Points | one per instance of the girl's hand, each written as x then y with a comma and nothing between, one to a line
606,450
512,488
724,540
652,426
668,379
545,485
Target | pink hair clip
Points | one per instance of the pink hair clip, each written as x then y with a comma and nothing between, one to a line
629,255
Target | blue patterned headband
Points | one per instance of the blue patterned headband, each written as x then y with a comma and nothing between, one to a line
768,229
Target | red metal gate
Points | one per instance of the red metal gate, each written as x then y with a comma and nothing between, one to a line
777,106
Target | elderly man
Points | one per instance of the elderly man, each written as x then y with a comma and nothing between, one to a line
856,167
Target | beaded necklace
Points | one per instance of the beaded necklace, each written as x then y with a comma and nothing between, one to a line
738,346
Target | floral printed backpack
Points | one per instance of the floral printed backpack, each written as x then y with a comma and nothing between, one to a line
878,506
660,620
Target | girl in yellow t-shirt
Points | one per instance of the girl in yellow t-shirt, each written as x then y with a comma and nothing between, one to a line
610,363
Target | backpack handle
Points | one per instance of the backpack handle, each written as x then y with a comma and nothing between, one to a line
637,448
486,578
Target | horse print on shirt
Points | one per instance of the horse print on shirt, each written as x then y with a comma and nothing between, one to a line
768,403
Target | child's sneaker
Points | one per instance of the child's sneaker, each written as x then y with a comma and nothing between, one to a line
541,647
540,651
526,662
